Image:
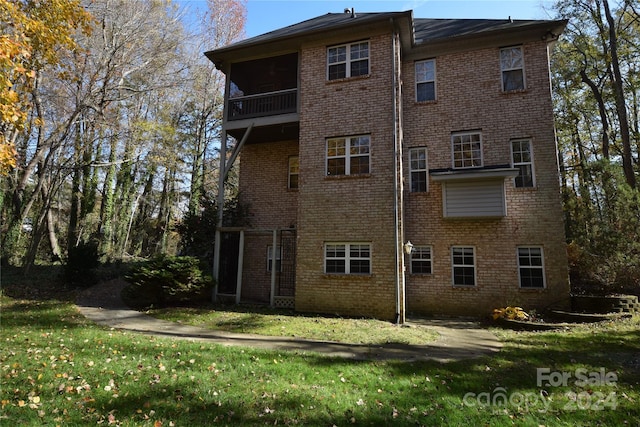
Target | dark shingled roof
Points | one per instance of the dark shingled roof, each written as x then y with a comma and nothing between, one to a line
434,29
320,23
425,30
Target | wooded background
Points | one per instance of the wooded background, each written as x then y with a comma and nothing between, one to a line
110,122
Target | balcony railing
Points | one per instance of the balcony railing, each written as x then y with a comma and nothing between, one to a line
263,104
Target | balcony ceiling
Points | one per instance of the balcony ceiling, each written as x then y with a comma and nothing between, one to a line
272,133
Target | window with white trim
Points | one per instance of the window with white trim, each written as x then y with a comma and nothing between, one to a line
512,68
348,60
347,258
418,169
522,158
425,80
294,172
463,265
467,149
531,267
348,155
421,260
278,258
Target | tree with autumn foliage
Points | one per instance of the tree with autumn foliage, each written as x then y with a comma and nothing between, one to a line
34,34
120,130
596,97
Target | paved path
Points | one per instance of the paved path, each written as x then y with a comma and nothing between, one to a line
459,339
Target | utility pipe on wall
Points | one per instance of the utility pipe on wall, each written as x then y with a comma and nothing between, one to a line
397,187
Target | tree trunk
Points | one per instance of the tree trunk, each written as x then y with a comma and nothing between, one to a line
107,208
621,107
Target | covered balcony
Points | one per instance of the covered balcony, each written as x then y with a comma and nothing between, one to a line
263,92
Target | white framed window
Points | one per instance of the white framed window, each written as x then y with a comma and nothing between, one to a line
531,267
278,258
348,155
522,159
425,80
421,260
348,60
466,148
294,172
418,169
463,265
512,68
347,258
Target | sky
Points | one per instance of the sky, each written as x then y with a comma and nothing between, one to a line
268,15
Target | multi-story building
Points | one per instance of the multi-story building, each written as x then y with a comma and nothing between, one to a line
395,165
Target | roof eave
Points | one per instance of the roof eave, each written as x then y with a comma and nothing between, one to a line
548,31
292,41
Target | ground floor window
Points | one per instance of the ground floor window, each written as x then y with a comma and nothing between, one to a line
421,260
278,258
463,264
347,258
531,267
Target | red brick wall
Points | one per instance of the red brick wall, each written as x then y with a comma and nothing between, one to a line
468,99
361,209
264,174
346,209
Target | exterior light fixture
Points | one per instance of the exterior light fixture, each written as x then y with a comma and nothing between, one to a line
408,247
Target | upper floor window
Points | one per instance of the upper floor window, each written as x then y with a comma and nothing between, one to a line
421,260
531,267
418,167
294,172
467,149
348,155
348,60
347,258
426,80
522,158
512,67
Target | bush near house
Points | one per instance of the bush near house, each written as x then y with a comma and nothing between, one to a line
82,261
167,281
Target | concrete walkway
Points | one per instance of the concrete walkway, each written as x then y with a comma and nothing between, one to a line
459,339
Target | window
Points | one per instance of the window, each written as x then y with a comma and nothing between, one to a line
463,266
294,172
418,168
523,160
426,80
348,156
278,258
349,60
421,260
347,258
531,268
467,149
512,67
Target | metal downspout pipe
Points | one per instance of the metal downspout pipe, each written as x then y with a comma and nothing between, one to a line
397,189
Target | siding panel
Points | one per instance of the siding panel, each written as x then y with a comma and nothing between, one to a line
474,199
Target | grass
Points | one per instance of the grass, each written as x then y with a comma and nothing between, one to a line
57,368
264,321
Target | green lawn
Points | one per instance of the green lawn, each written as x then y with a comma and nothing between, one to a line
57,368
265,321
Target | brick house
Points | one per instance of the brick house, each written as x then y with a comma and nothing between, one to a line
394,165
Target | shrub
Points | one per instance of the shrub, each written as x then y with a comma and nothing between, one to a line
81,263
167,281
